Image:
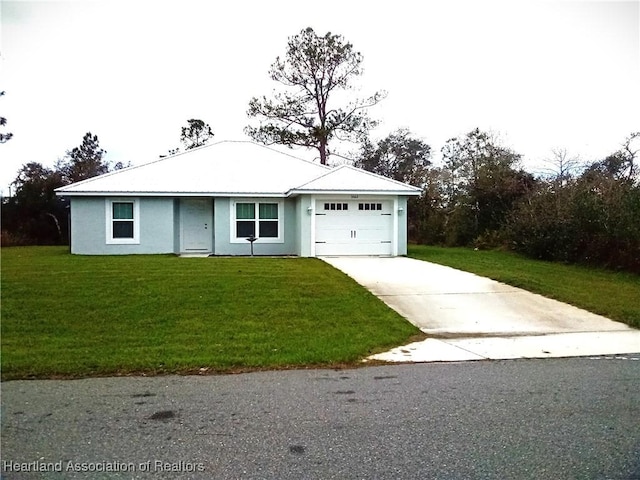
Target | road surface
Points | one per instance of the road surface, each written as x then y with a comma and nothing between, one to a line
512,419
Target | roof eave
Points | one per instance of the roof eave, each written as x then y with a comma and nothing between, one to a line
298,191
171,194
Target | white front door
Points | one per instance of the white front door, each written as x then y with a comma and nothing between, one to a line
196,224
354,227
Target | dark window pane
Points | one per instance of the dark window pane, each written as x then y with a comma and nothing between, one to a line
333,206
378,206
122,229
339,206
367,206
326,206
345,206
268,229
122,210
360,206
245,229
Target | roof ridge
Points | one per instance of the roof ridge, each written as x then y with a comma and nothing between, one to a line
351,167
332,169
377,175
268,147
178,154
133,167
271,167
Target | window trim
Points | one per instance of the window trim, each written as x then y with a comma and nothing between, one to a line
110,240
256,201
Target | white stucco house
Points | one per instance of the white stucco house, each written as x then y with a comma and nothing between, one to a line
209,200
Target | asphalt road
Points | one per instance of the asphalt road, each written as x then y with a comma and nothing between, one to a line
518,419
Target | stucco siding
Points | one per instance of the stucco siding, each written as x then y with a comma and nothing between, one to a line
88,234
305,218
89,227
402,225
176,224
160,227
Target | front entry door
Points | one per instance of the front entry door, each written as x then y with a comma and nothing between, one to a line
196,219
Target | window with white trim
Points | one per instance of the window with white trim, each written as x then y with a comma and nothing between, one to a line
123,221
261,219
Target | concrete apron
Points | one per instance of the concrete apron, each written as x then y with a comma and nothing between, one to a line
468,317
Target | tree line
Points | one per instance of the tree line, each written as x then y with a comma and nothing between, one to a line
478,194
34,215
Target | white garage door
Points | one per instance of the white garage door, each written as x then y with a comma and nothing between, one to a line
354,227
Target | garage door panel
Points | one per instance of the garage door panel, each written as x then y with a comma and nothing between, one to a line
333,234
358,228
329,249
373,233
370,221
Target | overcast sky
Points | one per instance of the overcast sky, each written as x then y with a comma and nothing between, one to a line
541,74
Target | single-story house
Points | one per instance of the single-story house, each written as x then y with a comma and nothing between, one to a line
209,200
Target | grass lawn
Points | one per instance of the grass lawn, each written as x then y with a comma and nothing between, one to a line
612,294
72,316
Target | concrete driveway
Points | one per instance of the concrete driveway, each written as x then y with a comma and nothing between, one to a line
468,317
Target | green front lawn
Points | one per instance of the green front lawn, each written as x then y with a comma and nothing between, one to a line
67,315
612,294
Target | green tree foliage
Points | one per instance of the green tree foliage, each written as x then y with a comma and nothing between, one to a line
403,158
591,218
4,137
623,163
314,70
195,134
85,161
398,156
482,182
34,215
428,212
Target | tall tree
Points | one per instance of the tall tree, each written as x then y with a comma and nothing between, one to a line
398,156
34,215
403,158
483,184
195,134
314,69
4,137
85,161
